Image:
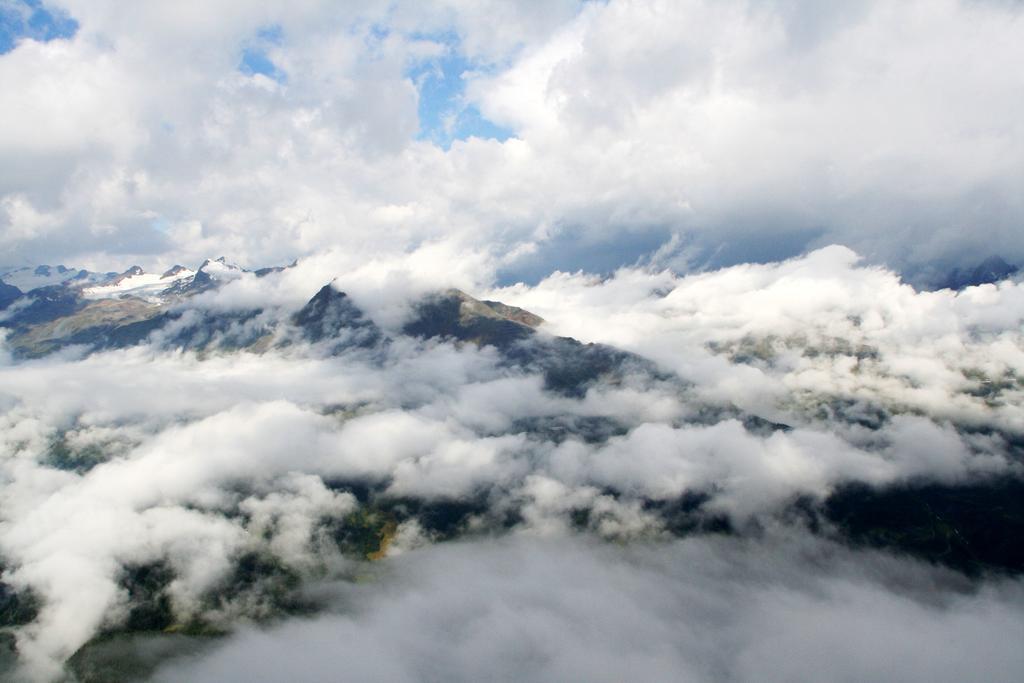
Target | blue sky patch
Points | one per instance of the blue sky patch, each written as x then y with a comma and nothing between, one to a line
444,114
30,19
256,58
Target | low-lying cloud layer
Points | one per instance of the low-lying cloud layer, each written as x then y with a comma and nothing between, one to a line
232,479
693,610
822,323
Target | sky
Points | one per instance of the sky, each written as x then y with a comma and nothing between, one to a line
532,136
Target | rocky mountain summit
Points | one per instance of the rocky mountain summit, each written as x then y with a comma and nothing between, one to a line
48,308
135,307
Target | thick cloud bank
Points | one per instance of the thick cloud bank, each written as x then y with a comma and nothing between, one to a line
772,337
159,490
744,131
693,610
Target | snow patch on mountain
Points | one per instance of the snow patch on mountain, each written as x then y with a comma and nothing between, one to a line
27,278
138,283
220,269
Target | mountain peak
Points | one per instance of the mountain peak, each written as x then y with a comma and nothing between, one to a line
454,314
992,269
220,265
330,314
174,270
28,278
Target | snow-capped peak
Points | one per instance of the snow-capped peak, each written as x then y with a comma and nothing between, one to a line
220,268
27,278
173,272
138,283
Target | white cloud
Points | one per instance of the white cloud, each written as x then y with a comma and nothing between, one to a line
821,324
755,131
236,449
696,610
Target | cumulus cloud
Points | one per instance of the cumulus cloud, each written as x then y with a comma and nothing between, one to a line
747,132
769,337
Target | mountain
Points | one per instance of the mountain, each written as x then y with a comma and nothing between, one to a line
173,271
330,315
135,282
567,365
27,278
554,406
8,295
961,526
453,314
42,305
992,269
213,273
129,308
111,310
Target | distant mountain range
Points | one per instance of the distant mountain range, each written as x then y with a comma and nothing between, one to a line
965,526
46,308
134,281
992,269
118,310
972,526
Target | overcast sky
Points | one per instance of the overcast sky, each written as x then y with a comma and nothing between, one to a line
528,136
